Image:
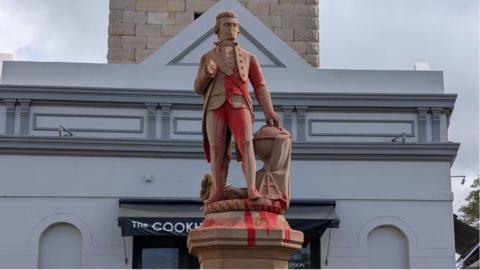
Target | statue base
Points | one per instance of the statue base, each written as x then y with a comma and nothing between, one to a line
244,239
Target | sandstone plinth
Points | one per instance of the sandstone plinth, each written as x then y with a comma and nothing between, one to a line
244,239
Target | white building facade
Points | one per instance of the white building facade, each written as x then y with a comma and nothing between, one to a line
78,141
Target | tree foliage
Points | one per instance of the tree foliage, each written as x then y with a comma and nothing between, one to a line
469,211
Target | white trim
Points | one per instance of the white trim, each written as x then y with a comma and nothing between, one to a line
54,218
387,221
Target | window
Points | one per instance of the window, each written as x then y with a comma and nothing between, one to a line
387,248
60,247
162,252
196,15
308,257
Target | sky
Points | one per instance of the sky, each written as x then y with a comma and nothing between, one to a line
54,30
394,34
354,34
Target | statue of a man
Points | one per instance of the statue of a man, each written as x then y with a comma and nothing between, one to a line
222,79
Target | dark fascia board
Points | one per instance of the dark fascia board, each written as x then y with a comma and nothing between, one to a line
85,96
165,201
186,149
197,201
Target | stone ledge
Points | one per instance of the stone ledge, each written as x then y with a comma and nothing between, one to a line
56,95
71,146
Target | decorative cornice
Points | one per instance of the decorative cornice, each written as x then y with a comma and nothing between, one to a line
301,132
165,110
422,124
436,114
165,116
287,117
71,146
10,105
55,95
436,123
24,116
151,119
9,115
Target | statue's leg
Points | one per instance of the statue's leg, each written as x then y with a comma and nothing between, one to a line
240,123
216,125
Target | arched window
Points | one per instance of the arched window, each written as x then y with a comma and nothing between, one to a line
387,248
60,247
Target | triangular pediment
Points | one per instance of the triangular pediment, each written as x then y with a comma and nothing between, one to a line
191,54
187,47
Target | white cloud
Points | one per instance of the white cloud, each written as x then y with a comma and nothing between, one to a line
54,30
379,34
18,28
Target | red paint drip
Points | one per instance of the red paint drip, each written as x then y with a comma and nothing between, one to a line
287,235
250,227
265,221
270,220
210,223
233,84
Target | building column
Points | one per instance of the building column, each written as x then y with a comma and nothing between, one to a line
287,117
422,124
436,120
165,120
151,120
24,116
301,111
10,120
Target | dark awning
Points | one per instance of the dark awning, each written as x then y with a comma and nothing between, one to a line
466,236
178,216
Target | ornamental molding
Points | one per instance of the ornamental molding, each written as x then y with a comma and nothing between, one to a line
131,97
188,149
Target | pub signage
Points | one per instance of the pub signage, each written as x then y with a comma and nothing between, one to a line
158,226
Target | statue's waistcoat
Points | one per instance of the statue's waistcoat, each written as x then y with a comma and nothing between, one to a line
229,85
231,82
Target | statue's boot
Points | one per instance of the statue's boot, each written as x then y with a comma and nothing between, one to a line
253,194
215,196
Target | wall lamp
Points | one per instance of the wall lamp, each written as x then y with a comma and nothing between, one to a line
459,176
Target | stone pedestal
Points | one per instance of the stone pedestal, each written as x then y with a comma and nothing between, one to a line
244,239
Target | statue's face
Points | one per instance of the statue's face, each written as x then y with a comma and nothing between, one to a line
229,29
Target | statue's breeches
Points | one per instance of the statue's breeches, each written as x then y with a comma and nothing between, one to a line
220,124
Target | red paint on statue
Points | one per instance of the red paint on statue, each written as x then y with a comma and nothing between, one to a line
208,223
269,220
250,226
234,119
233,84
287,235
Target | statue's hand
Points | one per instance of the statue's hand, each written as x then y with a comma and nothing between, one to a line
273,121
211,69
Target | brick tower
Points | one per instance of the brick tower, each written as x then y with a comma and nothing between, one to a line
138,27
